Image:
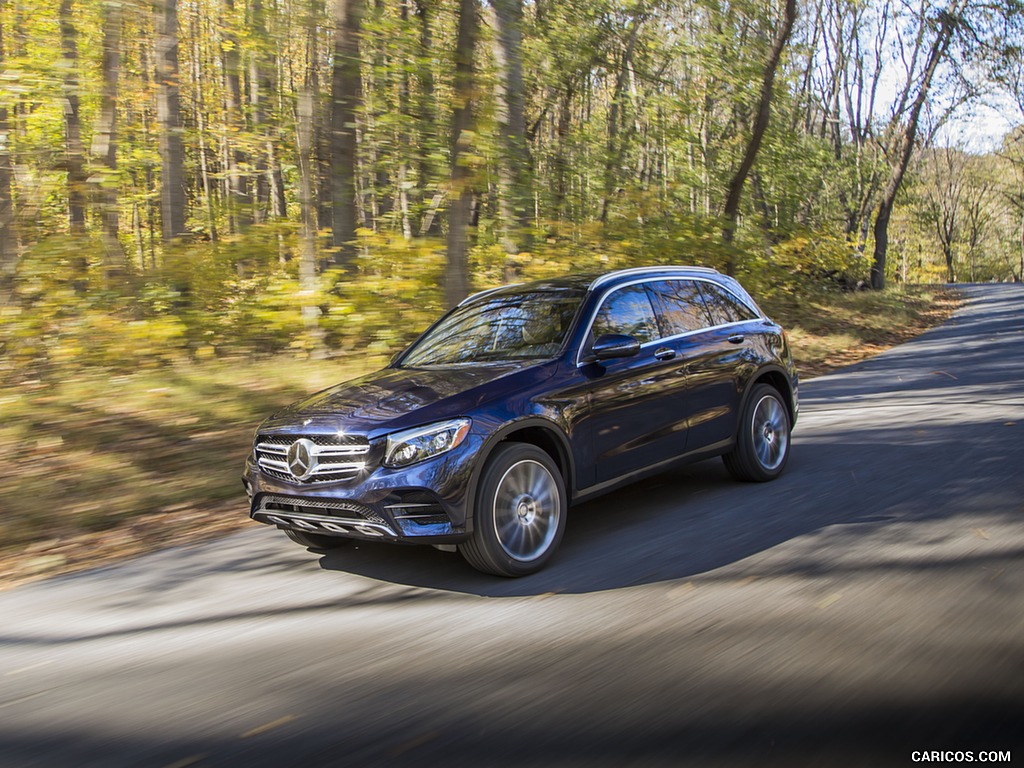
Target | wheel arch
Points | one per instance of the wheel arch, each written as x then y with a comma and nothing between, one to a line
777,379
540,432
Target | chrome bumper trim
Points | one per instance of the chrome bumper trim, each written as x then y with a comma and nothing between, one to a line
331,526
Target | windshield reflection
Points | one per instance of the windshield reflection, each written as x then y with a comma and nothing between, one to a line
497,328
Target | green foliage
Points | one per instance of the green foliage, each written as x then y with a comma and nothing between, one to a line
73,313
241,295
395,296
646,105
807,258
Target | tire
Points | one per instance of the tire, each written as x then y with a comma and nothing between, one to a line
763,438
315,540
519,512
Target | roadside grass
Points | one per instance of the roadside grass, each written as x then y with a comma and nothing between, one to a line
835,329
100,467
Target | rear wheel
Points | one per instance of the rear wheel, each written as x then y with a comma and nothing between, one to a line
762,443
315,540
519,516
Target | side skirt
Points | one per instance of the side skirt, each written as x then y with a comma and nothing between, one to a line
615,483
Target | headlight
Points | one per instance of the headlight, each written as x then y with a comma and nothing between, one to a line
412,445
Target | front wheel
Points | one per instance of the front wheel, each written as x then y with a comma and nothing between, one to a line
520,510
762,443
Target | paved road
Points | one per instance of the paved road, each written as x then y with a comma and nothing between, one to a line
868,604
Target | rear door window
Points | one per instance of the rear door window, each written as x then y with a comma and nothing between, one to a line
680,306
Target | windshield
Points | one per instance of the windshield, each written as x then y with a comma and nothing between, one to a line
525,325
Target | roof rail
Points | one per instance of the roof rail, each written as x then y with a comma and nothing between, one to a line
478,294
655,268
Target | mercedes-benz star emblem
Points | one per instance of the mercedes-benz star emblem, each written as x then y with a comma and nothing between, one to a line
302,458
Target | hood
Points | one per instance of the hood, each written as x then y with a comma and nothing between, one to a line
395,398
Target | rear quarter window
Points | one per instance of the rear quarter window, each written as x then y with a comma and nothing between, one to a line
723,307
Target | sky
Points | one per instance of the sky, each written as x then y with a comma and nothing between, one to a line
981,129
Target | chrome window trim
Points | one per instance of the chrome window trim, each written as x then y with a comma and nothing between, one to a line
759,315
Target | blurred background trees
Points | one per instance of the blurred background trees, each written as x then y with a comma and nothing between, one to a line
195,195
200,177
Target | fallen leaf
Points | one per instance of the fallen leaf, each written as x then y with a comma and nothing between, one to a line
835,597
267,726
682,589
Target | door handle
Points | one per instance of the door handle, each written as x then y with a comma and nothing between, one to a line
664,354
736,338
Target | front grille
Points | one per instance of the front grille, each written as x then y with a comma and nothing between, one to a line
332,457
328,440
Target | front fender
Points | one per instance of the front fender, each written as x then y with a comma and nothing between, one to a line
559,440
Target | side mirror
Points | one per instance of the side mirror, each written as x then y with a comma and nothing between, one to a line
613,345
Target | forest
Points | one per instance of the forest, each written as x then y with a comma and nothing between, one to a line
209,208
197,178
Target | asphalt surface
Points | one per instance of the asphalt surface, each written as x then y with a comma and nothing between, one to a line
867,605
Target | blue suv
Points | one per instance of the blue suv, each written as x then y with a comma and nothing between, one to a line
524,400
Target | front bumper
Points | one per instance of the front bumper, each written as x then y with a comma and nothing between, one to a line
426,503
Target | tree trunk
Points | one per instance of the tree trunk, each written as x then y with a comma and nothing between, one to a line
404,137
516,160
104,141
75,155
614,149
307,234
199,108
561,159
275,181
238,181
320,159
263,83
456,283
426,114
382,191
8,254
346,95
943,37
168,112
735,188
